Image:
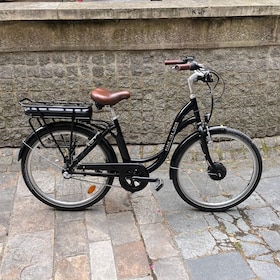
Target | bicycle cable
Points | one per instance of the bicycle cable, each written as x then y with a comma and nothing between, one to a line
212,88
59,167
37,153
92,182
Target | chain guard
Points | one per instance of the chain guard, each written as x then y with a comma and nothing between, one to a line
133,177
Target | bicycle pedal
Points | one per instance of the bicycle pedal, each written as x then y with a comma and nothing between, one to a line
158,181
159,184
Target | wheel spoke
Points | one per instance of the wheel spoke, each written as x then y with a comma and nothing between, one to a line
233,177
43,168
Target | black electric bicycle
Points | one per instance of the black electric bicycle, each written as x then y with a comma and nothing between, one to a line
68,162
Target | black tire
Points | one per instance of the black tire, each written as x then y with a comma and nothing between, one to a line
233,153
42,165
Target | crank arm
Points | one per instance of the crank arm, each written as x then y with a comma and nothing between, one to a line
159,182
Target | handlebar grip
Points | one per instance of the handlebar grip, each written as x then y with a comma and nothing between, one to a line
172,62
187,66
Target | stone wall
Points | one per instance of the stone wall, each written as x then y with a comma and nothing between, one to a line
63,50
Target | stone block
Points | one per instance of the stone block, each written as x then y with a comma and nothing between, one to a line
224,266
265,270
73,268
123,228
158,241
165,269
28,214
146,210
263,217
21,260
97,224
131,260
102,261
195,243
70,239
272,238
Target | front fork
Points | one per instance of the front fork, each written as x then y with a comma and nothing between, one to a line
216,170
205,139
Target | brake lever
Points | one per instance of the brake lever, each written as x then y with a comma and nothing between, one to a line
206,76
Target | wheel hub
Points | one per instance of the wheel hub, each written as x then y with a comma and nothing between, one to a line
66,175
217,172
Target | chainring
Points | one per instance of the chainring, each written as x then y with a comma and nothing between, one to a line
129,183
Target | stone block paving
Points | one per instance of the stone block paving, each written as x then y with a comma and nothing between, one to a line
142,236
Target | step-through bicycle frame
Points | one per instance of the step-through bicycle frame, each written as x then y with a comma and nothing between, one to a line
179,124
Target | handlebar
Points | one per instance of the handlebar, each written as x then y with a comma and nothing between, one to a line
185,64
200,73
188,63
173,62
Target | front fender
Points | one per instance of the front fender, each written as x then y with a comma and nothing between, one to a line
179,150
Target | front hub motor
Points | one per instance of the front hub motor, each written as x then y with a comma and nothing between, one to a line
217,171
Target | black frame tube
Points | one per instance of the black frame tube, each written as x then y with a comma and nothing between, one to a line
178,125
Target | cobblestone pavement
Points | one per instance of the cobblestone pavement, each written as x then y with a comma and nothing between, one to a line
147,235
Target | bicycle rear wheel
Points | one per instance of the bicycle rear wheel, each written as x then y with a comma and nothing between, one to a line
234,155
43,164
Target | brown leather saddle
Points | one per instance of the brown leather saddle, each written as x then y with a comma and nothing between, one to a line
103,96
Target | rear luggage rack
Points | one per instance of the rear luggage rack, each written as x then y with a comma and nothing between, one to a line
57,109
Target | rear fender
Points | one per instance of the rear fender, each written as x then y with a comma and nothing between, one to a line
34,136
27,142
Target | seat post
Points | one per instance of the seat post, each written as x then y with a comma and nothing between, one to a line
113,113
119,137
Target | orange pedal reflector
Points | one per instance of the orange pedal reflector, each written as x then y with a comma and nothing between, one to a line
91,189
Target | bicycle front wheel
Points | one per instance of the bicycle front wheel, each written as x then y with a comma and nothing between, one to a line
236,158
43,167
